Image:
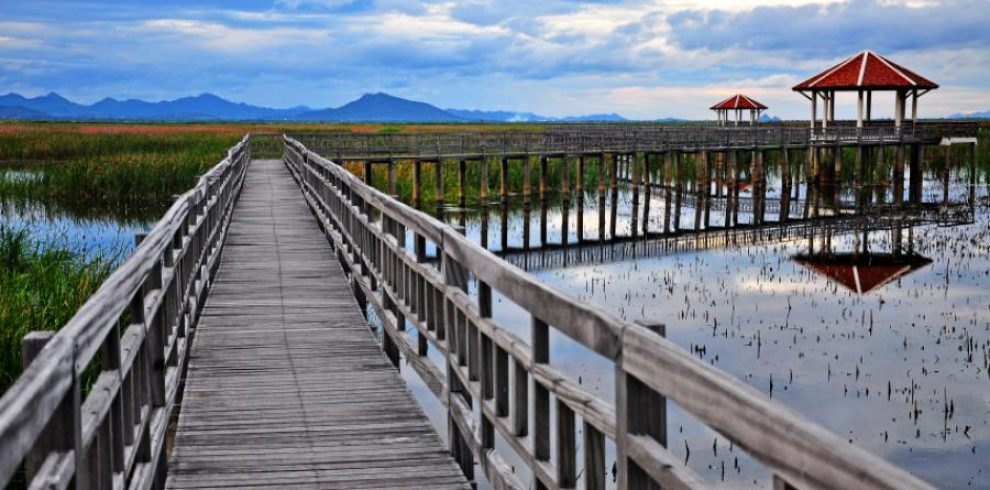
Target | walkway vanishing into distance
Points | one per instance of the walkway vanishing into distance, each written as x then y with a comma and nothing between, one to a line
287,386
231,350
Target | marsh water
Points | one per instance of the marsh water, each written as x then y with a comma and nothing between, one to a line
91,228
870,319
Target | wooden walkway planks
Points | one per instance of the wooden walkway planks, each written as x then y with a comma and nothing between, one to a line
286,384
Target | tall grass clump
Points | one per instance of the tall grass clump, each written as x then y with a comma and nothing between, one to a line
41,287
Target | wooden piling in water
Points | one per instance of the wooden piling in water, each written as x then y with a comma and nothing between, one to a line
915,181
946,168
785,165
837,157
613,172
503,183
972,174
565,178
601,174
527,169
580,174
899,176
438,189
461,171
417,181
636,178
759,172
543,176
391,178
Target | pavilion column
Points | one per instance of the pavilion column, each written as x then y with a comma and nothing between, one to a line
831,107
859,109
869,105
738,116
898,108
824,110
814,108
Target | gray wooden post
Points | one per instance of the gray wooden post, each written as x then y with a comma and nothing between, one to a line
639,410
64,430
455,275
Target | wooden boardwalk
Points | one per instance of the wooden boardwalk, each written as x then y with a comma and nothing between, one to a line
286,385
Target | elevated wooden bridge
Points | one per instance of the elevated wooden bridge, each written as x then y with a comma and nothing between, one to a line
717,153
231,349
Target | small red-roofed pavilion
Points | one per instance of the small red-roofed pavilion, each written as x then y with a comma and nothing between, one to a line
865,73
738,103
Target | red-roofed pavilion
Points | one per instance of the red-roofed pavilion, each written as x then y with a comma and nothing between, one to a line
865,73
738,103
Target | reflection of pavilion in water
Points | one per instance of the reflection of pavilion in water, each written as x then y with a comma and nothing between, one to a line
862,273
863,270
716,224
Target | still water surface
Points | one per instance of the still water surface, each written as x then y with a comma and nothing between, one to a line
871,321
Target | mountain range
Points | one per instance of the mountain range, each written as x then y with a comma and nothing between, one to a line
971,115
379,107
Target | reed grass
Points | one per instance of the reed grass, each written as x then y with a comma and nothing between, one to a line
41,287
73,166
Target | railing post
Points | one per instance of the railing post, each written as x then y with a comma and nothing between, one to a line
64,430
456,276
154,339
541,395
639,411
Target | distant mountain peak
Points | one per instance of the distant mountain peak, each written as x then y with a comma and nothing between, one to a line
380,95
53,97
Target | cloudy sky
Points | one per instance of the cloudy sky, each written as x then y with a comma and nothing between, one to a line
641,59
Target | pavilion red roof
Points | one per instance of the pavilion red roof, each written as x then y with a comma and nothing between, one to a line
738,101
866,70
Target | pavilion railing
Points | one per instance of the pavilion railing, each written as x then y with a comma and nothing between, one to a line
485,385
133,334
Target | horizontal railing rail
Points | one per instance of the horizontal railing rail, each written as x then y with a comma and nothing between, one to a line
485,385
136,327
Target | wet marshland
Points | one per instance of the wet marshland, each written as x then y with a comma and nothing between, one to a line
869,317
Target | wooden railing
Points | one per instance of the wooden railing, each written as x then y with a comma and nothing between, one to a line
490,368
134,333
613,138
